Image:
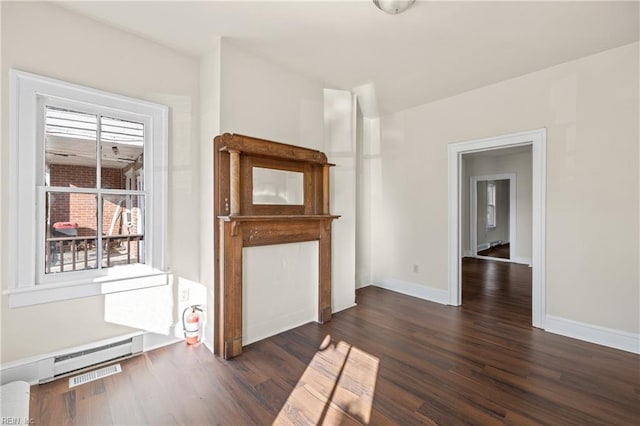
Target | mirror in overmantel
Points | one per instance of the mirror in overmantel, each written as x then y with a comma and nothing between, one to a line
277,187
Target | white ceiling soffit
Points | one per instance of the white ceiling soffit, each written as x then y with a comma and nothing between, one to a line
432,51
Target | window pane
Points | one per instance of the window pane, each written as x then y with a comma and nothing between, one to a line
123,230
122,147
70,148
491,194
491,216
70,243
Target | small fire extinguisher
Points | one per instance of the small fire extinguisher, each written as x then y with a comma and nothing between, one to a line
191,323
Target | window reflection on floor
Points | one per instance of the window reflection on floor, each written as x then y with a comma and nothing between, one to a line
337,387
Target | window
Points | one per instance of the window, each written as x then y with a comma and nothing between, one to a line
93,210
491,204
88,168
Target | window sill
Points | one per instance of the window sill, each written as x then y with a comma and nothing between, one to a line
45,293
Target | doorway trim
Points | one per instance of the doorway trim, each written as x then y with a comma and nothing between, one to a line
473,211
538,140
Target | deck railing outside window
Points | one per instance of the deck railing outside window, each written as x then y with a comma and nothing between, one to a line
79,253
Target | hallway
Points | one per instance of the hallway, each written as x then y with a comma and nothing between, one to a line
501,290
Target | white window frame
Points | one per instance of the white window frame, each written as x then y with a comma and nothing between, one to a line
491,206
28,283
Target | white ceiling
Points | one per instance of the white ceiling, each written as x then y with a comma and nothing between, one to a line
431,51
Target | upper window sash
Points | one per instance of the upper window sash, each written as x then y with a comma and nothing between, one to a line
100,111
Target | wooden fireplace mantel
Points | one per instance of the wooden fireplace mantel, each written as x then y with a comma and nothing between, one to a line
241,223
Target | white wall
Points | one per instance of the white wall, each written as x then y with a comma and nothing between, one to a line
264,100
267,101
44,39
362,254
590,109
209,128
519,164
368,153
340,113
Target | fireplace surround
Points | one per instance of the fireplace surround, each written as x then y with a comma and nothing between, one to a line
278,214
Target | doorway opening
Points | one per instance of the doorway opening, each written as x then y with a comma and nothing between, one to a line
537,140
492,216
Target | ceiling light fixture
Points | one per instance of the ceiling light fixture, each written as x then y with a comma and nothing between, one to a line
393,7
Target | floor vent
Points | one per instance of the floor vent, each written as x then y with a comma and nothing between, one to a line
90,376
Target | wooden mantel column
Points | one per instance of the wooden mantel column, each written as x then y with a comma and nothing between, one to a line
229,317
324,273
327,192
234,176
241,223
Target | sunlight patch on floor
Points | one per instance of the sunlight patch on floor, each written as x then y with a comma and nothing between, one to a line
337,387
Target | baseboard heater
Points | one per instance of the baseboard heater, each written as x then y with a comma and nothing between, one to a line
61,365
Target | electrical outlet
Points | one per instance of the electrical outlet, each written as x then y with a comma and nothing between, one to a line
415,268
184,295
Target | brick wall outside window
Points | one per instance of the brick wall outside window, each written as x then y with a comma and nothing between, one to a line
81,208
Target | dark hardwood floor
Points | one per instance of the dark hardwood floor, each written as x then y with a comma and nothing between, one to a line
502,251
392,359
497,290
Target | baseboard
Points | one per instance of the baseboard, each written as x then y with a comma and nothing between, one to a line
208,344
495,259
610,337
467,253
523,260
151,341
484,246
28,369
335,311
415,290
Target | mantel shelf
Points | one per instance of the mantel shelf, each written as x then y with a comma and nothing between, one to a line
266,218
